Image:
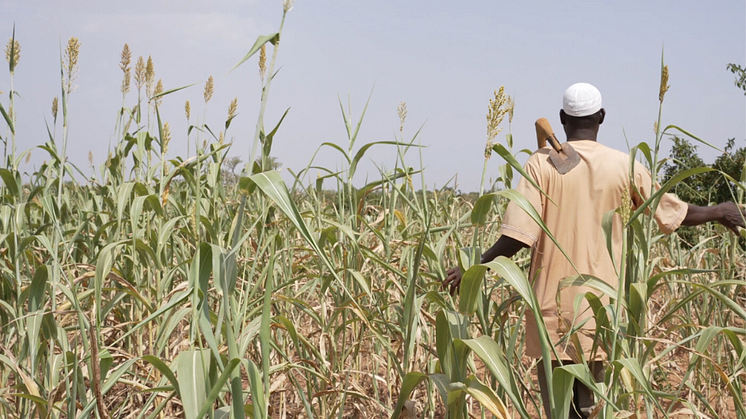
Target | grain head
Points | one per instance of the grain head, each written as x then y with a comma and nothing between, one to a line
209,86
124,65
13,53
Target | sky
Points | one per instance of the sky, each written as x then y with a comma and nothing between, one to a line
443,59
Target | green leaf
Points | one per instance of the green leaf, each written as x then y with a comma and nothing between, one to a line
37,290
106,361
607,225
336,147
645,149
361,280
727,301
168,92
192,367
8,120
471,289
215,391
685,132
589,281
104,263
360,153
562,390
33,326
567,374
410,382
633,366
267,143
653,281
705,338
265,333
257,391
10,181
449,326
165,370
442,383
152,202
263,39
487,398
508,156
508,270
638,300
491,354
482,208
352,136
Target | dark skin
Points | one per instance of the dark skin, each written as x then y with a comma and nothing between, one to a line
728,214
504,246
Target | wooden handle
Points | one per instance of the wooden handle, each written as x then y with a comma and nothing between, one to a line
544,132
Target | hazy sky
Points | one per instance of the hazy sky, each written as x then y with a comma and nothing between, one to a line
444,59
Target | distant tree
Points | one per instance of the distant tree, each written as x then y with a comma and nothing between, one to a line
704,188
273,163
229,170
694,189
710,187
740,74
732,162
232,162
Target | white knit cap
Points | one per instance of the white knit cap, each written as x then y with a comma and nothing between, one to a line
581,99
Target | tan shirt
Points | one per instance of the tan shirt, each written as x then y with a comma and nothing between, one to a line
582,197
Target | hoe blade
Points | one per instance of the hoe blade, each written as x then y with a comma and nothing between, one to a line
566,159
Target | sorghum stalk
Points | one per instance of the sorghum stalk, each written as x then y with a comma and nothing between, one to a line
69,73
12,55
496,112
287,5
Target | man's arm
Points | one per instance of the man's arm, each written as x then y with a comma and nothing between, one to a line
728,214
504,246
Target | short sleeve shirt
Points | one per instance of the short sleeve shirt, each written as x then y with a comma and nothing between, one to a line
579,201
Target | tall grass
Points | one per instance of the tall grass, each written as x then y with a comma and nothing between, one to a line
165,289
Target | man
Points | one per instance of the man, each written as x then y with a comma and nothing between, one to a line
582,197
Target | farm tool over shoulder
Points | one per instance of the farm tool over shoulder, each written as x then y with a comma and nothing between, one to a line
563,156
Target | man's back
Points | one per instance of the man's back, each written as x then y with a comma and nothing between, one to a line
582,197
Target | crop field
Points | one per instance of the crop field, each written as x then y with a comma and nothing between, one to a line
174,286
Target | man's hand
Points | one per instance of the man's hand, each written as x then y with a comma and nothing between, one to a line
732,216
453,279
504,246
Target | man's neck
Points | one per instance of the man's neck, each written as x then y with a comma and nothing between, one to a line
582,134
